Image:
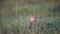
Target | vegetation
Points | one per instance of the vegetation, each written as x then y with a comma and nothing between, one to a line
14,19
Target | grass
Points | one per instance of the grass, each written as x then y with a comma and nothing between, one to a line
16,20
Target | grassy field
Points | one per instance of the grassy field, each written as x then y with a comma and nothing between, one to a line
15,19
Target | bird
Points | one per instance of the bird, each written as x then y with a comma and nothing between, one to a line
32,19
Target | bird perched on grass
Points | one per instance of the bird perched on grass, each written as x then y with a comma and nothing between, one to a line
32,19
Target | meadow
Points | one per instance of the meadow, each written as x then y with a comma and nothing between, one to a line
14,19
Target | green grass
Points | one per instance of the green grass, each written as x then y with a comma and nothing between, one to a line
16,20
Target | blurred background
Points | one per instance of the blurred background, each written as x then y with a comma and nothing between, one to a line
15,15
